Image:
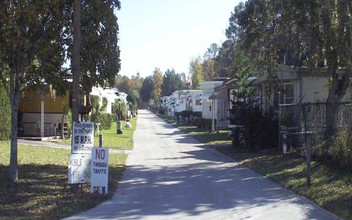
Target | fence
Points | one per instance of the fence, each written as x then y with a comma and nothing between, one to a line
296,121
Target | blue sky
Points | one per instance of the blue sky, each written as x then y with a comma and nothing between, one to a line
169,33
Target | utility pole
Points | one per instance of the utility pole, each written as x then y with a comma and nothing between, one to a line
75,62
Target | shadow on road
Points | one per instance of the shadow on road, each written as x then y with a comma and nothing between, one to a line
176,177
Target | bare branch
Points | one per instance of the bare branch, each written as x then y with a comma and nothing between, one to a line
35,95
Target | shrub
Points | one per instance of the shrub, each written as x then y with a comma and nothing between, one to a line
186,113
260,130
105,121
338,149
203,123
119,107
5,115
96,116
197,114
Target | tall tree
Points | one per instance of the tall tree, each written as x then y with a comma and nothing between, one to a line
196,70
208,69
35,42
172,81
137,81
32,51
225,58
299,33
212,51
147,89
158,82
100,53
125,85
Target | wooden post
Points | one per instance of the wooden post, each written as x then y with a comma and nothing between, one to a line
100,140
100,189
309,158
42,110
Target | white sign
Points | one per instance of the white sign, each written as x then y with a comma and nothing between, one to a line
82,137
100,168
79,168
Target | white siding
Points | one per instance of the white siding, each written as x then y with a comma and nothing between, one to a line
314,89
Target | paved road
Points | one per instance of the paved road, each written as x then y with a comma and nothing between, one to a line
172,176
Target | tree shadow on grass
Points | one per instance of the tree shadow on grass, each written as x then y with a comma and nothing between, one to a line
42,192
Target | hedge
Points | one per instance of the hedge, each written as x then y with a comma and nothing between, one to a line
203,123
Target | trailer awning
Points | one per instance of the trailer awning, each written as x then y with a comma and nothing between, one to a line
207,95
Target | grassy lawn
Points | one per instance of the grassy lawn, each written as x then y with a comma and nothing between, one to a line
330,188
111,139
42,191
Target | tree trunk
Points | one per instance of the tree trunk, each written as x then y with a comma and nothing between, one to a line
337,90
13,175
331,115
76,59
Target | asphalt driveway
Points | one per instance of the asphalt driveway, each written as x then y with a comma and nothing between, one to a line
170,175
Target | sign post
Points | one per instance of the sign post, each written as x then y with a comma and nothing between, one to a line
79,169
82,137
100,169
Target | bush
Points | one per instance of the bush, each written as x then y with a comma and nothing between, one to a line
338,149
105,121
186,113
260,130
203,123
5,115
197,114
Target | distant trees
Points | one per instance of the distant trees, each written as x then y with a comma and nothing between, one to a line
196,71
172,81
158,82
147,89
125,85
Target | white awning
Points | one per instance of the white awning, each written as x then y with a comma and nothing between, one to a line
206,95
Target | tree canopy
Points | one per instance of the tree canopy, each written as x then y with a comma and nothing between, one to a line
196,70
100,54
158,82
147,89
36,42
172,81
313,34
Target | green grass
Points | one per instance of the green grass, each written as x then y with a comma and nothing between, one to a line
330,188
42,191
204,136
111,139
